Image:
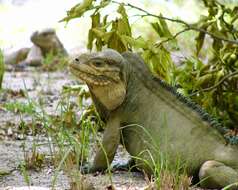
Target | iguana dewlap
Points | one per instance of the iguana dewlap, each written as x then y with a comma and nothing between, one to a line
152,120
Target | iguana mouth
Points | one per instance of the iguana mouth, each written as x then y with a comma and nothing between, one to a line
89,77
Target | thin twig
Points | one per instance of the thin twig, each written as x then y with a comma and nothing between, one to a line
216,85
171,38
213,35
189,26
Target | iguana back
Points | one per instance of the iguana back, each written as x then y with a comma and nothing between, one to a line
175,127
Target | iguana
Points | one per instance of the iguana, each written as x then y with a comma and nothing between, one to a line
152,120
44,42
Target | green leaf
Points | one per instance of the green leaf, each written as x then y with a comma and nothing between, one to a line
162,28
217,45
95,20
200,40
104,3
90,39
160,62
78,10
91,36
123,27
219,75
203,80
157,28
105,20
165,27
122,11
136,43
234,14
98,33
115,42
123,23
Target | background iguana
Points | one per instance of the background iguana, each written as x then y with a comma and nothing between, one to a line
152,120
44,42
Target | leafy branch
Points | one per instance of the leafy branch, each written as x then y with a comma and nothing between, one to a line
171,38
188,26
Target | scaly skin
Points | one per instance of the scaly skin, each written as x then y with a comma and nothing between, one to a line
152,120
44,42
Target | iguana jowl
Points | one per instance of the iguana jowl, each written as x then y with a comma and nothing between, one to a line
151,120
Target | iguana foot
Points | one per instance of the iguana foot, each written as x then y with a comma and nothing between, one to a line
20,66
24,64
86,169
217,175
35,62
129,166
89,169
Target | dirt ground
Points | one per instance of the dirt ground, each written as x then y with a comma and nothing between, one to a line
13,145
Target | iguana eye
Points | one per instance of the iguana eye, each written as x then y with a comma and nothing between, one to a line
98,63
44,34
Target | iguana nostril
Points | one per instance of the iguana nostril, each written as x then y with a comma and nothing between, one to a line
76,59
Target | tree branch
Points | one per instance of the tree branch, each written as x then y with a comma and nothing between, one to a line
171,38
216,85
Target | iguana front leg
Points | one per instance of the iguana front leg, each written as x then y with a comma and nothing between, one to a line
34,57
108,147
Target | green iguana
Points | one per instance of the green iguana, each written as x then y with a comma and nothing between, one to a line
152,120
44,42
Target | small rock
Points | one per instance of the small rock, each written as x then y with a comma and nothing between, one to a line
2,132
9,131
110,187
4,173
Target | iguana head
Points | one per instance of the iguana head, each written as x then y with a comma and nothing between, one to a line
103,73
45,38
